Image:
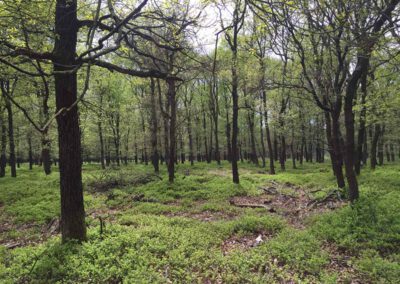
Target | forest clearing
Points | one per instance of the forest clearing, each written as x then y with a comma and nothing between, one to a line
199,141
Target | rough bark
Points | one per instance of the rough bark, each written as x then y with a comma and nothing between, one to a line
70,162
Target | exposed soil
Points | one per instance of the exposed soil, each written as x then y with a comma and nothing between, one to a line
244,242
341,264
205,216
293,203
27,234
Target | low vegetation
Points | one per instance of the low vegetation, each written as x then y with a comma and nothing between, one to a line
141,229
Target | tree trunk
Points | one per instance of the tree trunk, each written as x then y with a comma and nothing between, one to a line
228,132
250,121
154,127
282,156
205,136
30,152
380,146
392,155
275,147
361,128
374,144
100,128
3,150
235,115
70,162
333,139
172,129
5,86
263,154
46,160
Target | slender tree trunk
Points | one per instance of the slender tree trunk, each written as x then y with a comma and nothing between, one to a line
387,153
154,128
108,152
392,155
172,129
263,154
165,122
361,128
235,115
337,148
332,133
250,121
100,128
228,131
374,144
268,133
282,156
30,154
215,104
275,147
46,160
70,161
205,136
12,158
380,146
3,150
292,149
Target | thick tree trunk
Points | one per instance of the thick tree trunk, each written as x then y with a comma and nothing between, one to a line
70,162
351,92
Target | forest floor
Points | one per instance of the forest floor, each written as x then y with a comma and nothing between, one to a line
292,227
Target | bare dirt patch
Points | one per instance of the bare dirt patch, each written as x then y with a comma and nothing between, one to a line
244,242
340,262
18,235
107,181
205,216
293,203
